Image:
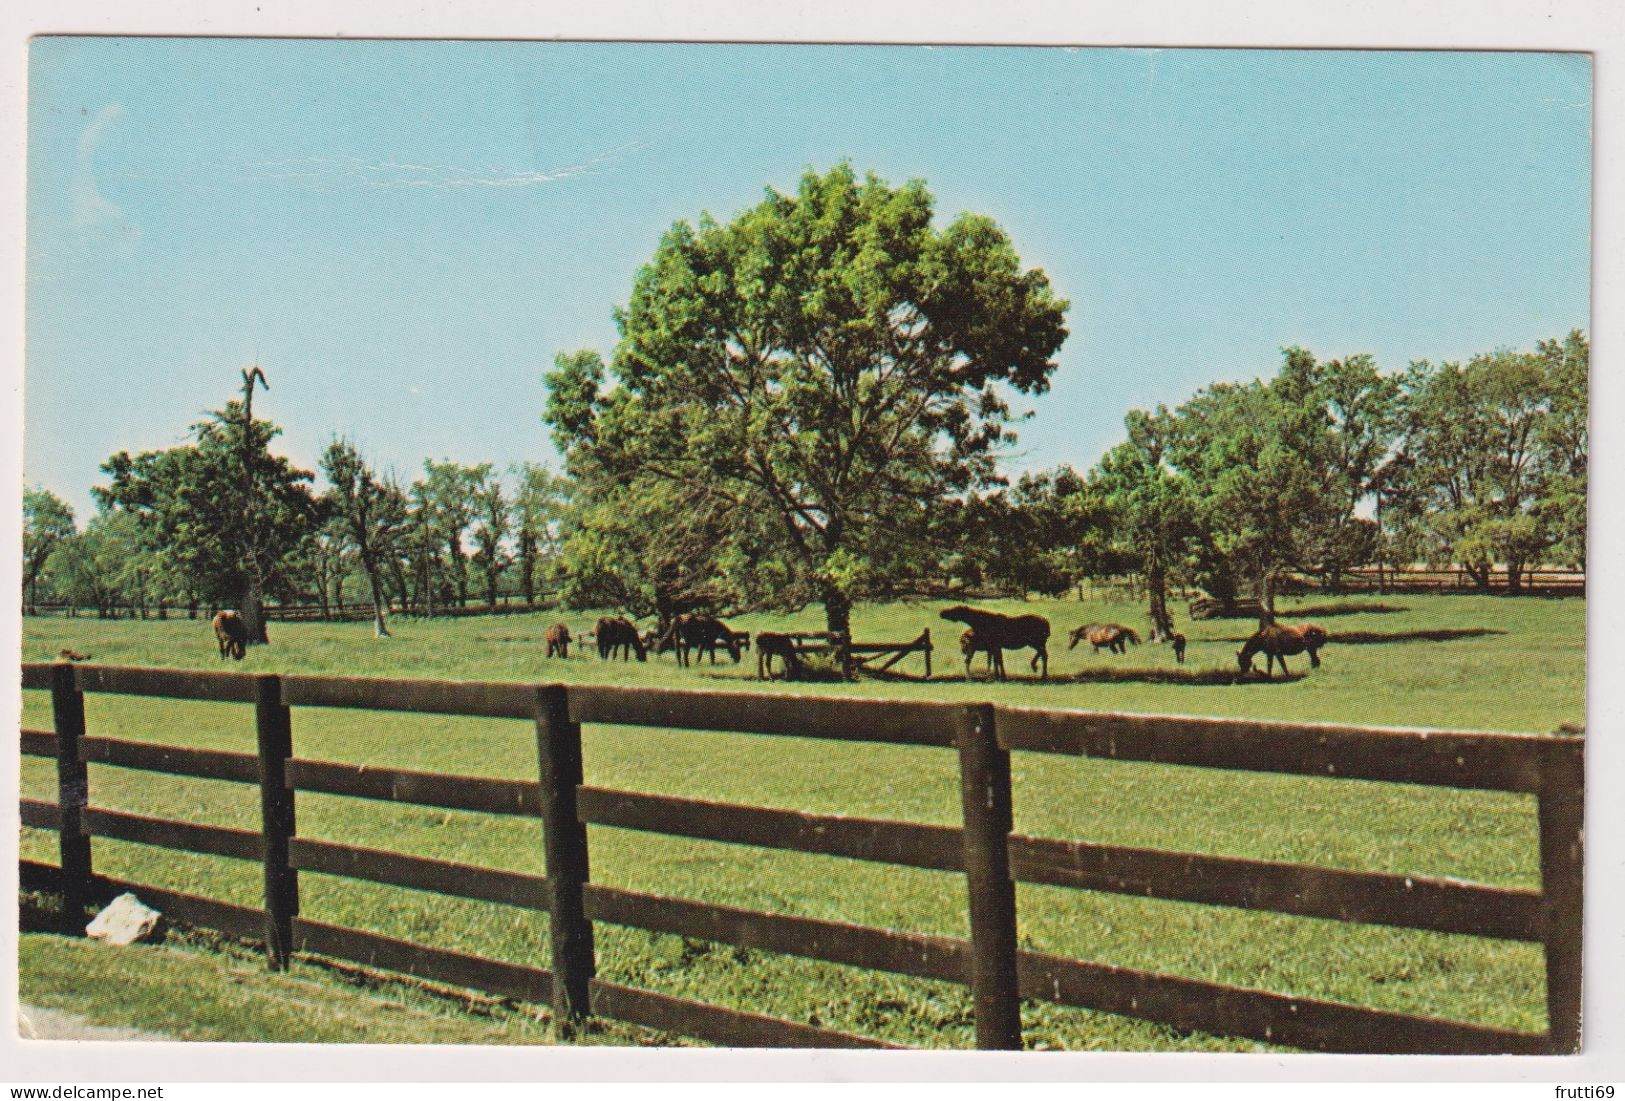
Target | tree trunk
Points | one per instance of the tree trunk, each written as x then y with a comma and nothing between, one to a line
380,629
253,610
527,567
1264,589
837,611
1156,587
455,549
1514,576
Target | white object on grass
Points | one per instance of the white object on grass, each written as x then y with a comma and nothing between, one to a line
124,921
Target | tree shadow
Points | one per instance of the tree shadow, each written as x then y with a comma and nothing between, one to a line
1203,678
1447,634
1369,638
1326,611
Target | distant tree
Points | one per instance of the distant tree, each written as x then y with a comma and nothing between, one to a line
1152,512
106,566
492,517
1250,454
1564,443
1472,445
1362,409
1039,536
223,514
830,360
448,501
47,521
538,508
372,514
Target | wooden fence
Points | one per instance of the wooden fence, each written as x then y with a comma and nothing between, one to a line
984,849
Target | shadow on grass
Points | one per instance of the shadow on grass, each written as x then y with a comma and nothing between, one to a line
1203,678
1326,611
1372,638
1447,634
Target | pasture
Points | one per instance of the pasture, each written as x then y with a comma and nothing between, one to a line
1463,662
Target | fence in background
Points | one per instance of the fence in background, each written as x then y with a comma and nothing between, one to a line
984,848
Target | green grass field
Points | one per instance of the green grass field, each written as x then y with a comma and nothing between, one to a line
1456,662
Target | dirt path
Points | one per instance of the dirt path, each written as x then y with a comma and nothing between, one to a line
34,1023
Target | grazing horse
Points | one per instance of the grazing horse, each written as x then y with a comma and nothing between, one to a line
618,634
770,645
232,634
1178,641
1112,636
699,632
1277,643
997,633
558,641
73,655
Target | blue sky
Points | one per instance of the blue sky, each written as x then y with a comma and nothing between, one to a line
405,234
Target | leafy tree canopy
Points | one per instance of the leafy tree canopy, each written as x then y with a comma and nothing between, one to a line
830,358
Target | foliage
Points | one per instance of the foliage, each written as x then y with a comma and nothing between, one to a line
1480,458
828,357
221,517
371,512
538,508
47,521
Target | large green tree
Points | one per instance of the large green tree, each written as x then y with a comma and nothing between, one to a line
47,521
1473,459
222,515
829,359
1153,514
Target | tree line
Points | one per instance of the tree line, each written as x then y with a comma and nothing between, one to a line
807,405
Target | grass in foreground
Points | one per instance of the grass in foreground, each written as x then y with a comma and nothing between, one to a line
189,992
1440,661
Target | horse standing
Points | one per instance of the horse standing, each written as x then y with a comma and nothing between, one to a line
1178,642
558,641
770,645
1112,636
699,632
970,645
1277,643
997,633
618,634
231,633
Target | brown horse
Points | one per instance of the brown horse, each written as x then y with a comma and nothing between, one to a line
969,645
1178,642
997,633
1111,636
618,634
231,633
698,632
558,641
770,645
1277,643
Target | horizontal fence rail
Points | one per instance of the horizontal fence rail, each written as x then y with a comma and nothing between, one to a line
985,851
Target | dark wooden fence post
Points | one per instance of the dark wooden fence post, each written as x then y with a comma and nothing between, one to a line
274,723
72,794
558,752
984,777
1562,875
